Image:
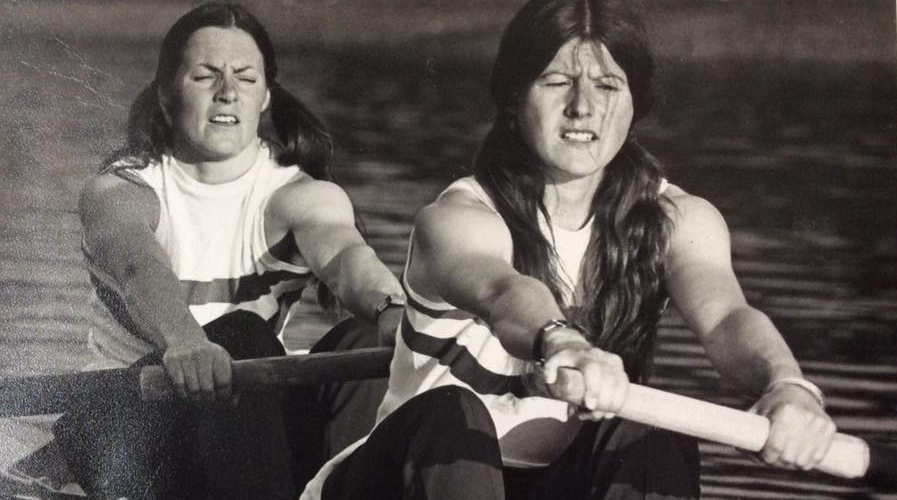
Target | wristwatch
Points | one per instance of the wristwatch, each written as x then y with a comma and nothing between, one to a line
391,300
539,340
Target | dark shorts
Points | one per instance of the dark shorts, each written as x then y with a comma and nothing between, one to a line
442,445
265,447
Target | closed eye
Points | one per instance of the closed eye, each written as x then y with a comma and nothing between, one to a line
556,83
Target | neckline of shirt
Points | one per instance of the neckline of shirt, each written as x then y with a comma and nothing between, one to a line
223,190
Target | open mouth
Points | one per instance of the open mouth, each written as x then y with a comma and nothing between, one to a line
224,120
579,136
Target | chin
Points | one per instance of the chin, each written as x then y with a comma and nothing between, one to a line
225,151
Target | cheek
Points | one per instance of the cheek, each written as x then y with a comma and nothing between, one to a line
256,96
620,119
535,125
189,110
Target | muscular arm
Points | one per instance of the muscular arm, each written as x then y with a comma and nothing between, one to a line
319,215
119,217
462,254
741,341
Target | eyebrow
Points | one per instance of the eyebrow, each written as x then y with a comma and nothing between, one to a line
567,74
216,69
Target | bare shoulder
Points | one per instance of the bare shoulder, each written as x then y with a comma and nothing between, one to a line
113,197
459,220
308,199
699,230
690,212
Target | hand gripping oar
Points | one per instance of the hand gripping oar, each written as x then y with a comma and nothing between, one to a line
307,369
36,395
848,456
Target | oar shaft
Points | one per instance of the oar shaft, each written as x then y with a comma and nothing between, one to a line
848,456
43,394
307,369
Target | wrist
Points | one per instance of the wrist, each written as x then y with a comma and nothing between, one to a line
391,300
800,382
554,336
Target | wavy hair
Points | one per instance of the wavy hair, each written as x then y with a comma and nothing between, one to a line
622,271
302,138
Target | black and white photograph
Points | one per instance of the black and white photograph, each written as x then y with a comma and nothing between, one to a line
448,249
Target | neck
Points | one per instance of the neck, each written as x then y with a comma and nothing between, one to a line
219,171
569,201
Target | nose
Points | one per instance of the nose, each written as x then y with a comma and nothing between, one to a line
227,90
580,102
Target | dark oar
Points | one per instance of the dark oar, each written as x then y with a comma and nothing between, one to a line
849,457
44,394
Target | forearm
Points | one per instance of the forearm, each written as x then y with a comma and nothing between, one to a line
516,308
749,352
119,218
149,289
360,280
157,306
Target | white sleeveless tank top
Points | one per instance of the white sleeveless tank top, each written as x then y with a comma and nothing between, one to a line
438,344
214,236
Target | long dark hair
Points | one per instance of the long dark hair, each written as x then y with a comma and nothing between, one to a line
623,266
301,136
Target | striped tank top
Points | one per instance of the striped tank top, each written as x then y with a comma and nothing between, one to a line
214,236
438,344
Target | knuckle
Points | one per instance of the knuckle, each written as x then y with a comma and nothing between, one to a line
775,447
615,360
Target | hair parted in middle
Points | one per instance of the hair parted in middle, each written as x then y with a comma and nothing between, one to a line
302,138
621,289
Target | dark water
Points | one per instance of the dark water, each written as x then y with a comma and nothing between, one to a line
799,157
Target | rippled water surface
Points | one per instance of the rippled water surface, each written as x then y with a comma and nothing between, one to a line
798,156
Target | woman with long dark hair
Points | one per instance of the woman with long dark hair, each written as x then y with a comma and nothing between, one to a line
200,234
561,252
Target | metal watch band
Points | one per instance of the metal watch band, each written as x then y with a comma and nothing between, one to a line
539,340
391,300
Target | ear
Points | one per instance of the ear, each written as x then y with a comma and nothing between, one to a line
267,100
164,105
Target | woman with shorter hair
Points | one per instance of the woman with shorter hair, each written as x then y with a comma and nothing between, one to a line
199,236
557,257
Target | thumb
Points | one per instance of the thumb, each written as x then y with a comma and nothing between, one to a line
550,371
569,385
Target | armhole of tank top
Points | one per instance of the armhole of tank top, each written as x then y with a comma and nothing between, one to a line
467,184
470,185
267,256
411,293
134,176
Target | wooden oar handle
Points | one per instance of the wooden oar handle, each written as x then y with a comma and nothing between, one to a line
848,456
305,369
